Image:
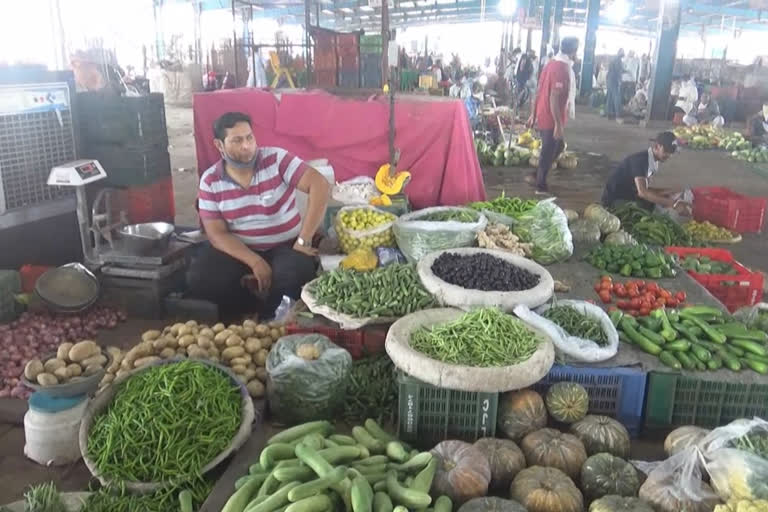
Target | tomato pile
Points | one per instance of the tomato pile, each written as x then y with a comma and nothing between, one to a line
637,298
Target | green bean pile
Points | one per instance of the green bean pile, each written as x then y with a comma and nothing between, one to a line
391,291
372,390
754,442
165,499
484,337
449,216
166,423
44,498
577,324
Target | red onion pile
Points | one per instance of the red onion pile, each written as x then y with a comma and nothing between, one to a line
36,334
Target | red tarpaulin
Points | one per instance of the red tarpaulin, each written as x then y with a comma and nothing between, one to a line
433,136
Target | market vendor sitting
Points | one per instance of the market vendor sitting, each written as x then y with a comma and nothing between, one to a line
260,248
758,125
630,180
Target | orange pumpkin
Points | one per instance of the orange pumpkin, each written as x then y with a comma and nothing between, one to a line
520,413
505,458
541,489
552,448
462,472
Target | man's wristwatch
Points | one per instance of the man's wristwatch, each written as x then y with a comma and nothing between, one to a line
302,242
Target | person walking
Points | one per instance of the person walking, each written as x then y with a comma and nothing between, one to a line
555,103
613,103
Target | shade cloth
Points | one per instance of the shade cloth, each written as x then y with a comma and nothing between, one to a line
433,135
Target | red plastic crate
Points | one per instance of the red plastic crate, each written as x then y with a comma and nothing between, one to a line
726,208
30,274
350,340
748,289
147,203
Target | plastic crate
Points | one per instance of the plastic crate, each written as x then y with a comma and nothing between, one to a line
675,400
723,207
371,44
147,203
10,285
128,167
615,392
351,340
124,120
734,291
29,276
428,414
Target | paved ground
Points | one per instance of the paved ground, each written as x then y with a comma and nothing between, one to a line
576,188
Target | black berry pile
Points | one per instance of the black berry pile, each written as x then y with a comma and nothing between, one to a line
483,272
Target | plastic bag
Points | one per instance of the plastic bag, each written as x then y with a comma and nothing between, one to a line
417,238
359,190
620,237
608,222
571,348
585,231
546,226
306,378
571,215
675,485
377,236
735,470
389,256
754,317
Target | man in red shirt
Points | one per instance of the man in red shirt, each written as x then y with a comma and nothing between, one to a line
555,102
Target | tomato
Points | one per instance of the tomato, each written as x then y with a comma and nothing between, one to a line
652,287
649,297
632,292
623,304
606,277
605,296
606,286
665,293
671,302
645,304
621,292
680,296
662,301
636,302
612,309
633,312
617,287
597,288
658,305
645,311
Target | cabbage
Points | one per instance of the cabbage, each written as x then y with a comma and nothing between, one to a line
607,222
620,237
585,231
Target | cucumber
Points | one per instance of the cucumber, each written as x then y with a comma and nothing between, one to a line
759,367
678,346
382,502
400,508
273,453
669,359
330,444
370,470
362,436
701,353
443,504
342,440
404,496
269,486
256,468
288,463
749,346
377,432
319,503
374,478
318,485
373,460
321,466
340,454
396,451
423,480
685,360
417,462
276,500
381,485
291,474
185,501
362,495
299,431
315,440
715,363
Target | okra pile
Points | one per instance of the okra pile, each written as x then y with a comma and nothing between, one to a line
695,338
311,468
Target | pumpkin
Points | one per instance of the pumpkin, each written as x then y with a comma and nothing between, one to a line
612,503
491,504
462,472
683,437
567,402
604,474
602,434
542,489
665,496
552,448
504,457
520,413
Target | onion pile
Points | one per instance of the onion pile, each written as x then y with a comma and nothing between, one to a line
33,335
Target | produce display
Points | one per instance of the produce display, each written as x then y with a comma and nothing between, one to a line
567,402
499,236
634,261
484,337
462,471
577,324
603,475
601,434
753,442
758,155
371,391
505,459
188,413
708,232
394,290
554,449
365,227
731,141
696,338
546,227
44,497
520,413
638,298
184,496
483,271
72,362
705,265
606,221
512,207
653,228
502,155
449,216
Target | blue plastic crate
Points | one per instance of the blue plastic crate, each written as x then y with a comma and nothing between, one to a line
615,392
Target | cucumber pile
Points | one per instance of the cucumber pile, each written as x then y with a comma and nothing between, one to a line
309,468
695,338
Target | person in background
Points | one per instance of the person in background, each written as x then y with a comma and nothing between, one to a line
644,74
688,95
437,73
403,59
523,75
613,104
638,105
630,181
555,103
629,78
707,111
757,125
260,246
511,65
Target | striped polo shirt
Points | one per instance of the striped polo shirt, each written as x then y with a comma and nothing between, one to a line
264,214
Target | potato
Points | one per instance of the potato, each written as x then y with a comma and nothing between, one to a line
234,341
235,361
184,330
62,374
142,362
282,330
261,330
218,328
167,352
52,365
222,336
248,358
91,370
249,323
175,328
186,340
159,344
266,342
241,378
214,350
250,373
255,388
83,350
171,341
191,323
248,332
63,351
252,345
108,378
234,327
114,351
181,351
204,342
208,333
100,360
260,358
232,352
274,334
150,335
33,369
47,379
214,359
239,369
196,352
121,372
143,349
261,374
166,330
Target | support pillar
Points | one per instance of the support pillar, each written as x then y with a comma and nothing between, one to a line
531,16
385,43
558,20
307,41
663,62
546,25
590,43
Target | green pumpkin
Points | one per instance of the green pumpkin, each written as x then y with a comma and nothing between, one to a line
567,402
683,437
520,413
604,474
614,503
602,434
491,504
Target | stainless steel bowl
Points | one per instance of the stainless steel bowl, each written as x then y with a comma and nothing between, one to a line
145,238
68,289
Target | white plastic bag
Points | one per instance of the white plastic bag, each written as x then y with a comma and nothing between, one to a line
571,348
417,238
546,226
359,190
377,236
675,485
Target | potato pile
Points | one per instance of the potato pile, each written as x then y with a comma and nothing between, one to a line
73,361
243,348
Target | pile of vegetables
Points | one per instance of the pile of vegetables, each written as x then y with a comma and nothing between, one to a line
483,271
653,228
706,265
364,227
484,337
638,298
696,338
186,496
451,215
72,362
546,227
732,141
606,221
758,155
634,261
575,323
371,390
33,335
753,442
499,236
510,206
44,497
502,155
391,291
708,232
165,423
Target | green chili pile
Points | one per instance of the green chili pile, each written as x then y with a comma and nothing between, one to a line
449,215
509,206
44,498
372,390
484,337
166,423
577,324
394,290
167,498
754,442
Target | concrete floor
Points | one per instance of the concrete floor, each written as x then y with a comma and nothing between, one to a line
600,145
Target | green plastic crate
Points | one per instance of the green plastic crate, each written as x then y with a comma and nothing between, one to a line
10,285
428,414
370,43
674,400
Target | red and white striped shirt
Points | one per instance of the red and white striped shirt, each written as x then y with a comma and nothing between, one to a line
264,214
